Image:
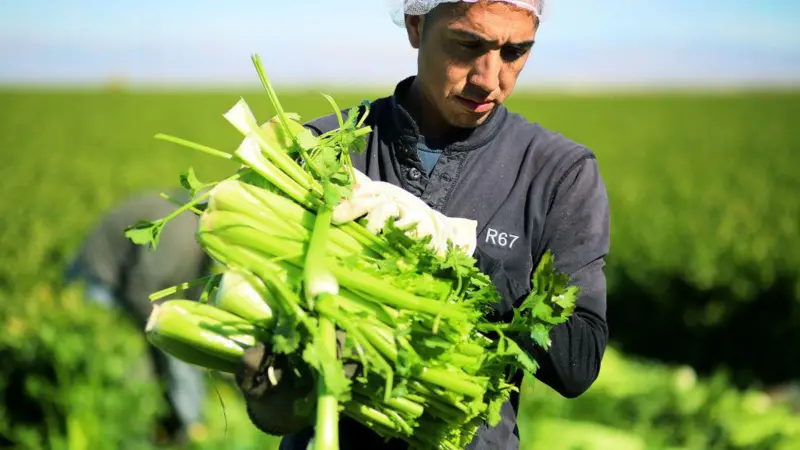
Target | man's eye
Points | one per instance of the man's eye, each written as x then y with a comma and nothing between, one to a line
513,53
470,45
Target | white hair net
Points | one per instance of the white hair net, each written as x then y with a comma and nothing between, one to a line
420,7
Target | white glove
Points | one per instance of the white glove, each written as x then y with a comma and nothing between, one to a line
380,201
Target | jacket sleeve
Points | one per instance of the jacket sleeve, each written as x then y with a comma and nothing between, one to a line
577,232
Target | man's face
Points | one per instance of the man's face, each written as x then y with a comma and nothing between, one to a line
470,56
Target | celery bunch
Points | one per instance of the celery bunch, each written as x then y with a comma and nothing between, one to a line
433,367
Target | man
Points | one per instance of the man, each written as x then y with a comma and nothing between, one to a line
445,136
117,273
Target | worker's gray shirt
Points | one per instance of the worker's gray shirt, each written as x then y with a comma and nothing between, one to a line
530,190
132,272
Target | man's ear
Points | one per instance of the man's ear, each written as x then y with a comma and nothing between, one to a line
414,30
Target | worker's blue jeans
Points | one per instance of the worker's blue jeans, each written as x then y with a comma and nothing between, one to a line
185,382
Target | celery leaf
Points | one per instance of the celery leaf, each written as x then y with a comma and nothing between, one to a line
190,182
145,232
306,139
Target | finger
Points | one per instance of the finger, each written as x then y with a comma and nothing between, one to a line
351,209
406,222
377,217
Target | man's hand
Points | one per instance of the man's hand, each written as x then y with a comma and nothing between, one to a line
271,386
379,201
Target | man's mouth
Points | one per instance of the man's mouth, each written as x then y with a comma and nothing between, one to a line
478,106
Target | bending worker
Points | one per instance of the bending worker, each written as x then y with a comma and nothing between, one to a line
445,136
117,273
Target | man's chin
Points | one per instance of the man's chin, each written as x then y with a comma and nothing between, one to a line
470,120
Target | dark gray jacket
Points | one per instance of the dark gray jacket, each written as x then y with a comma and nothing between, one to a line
133,272
530,190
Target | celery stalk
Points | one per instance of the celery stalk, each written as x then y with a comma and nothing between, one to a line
317,278
363,283
294,213
326,431
231,205
190,352
242,118
199,312
245,295
318,281
199,338
452,381
371,415
270,272
232,196
233,233
250,154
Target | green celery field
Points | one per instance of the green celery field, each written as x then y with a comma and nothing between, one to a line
704,272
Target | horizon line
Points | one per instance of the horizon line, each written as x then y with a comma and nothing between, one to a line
123,83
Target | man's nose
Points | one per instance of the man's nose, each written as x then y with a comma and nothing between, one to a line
486,71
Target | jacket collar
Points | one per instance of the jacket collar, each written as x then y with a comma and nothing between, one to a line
403,127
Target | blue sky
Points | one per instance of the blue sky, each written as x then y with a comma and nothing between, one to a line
354,42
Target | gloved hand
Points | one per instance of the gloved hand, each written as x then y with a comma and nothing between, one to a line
379,201
271,385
